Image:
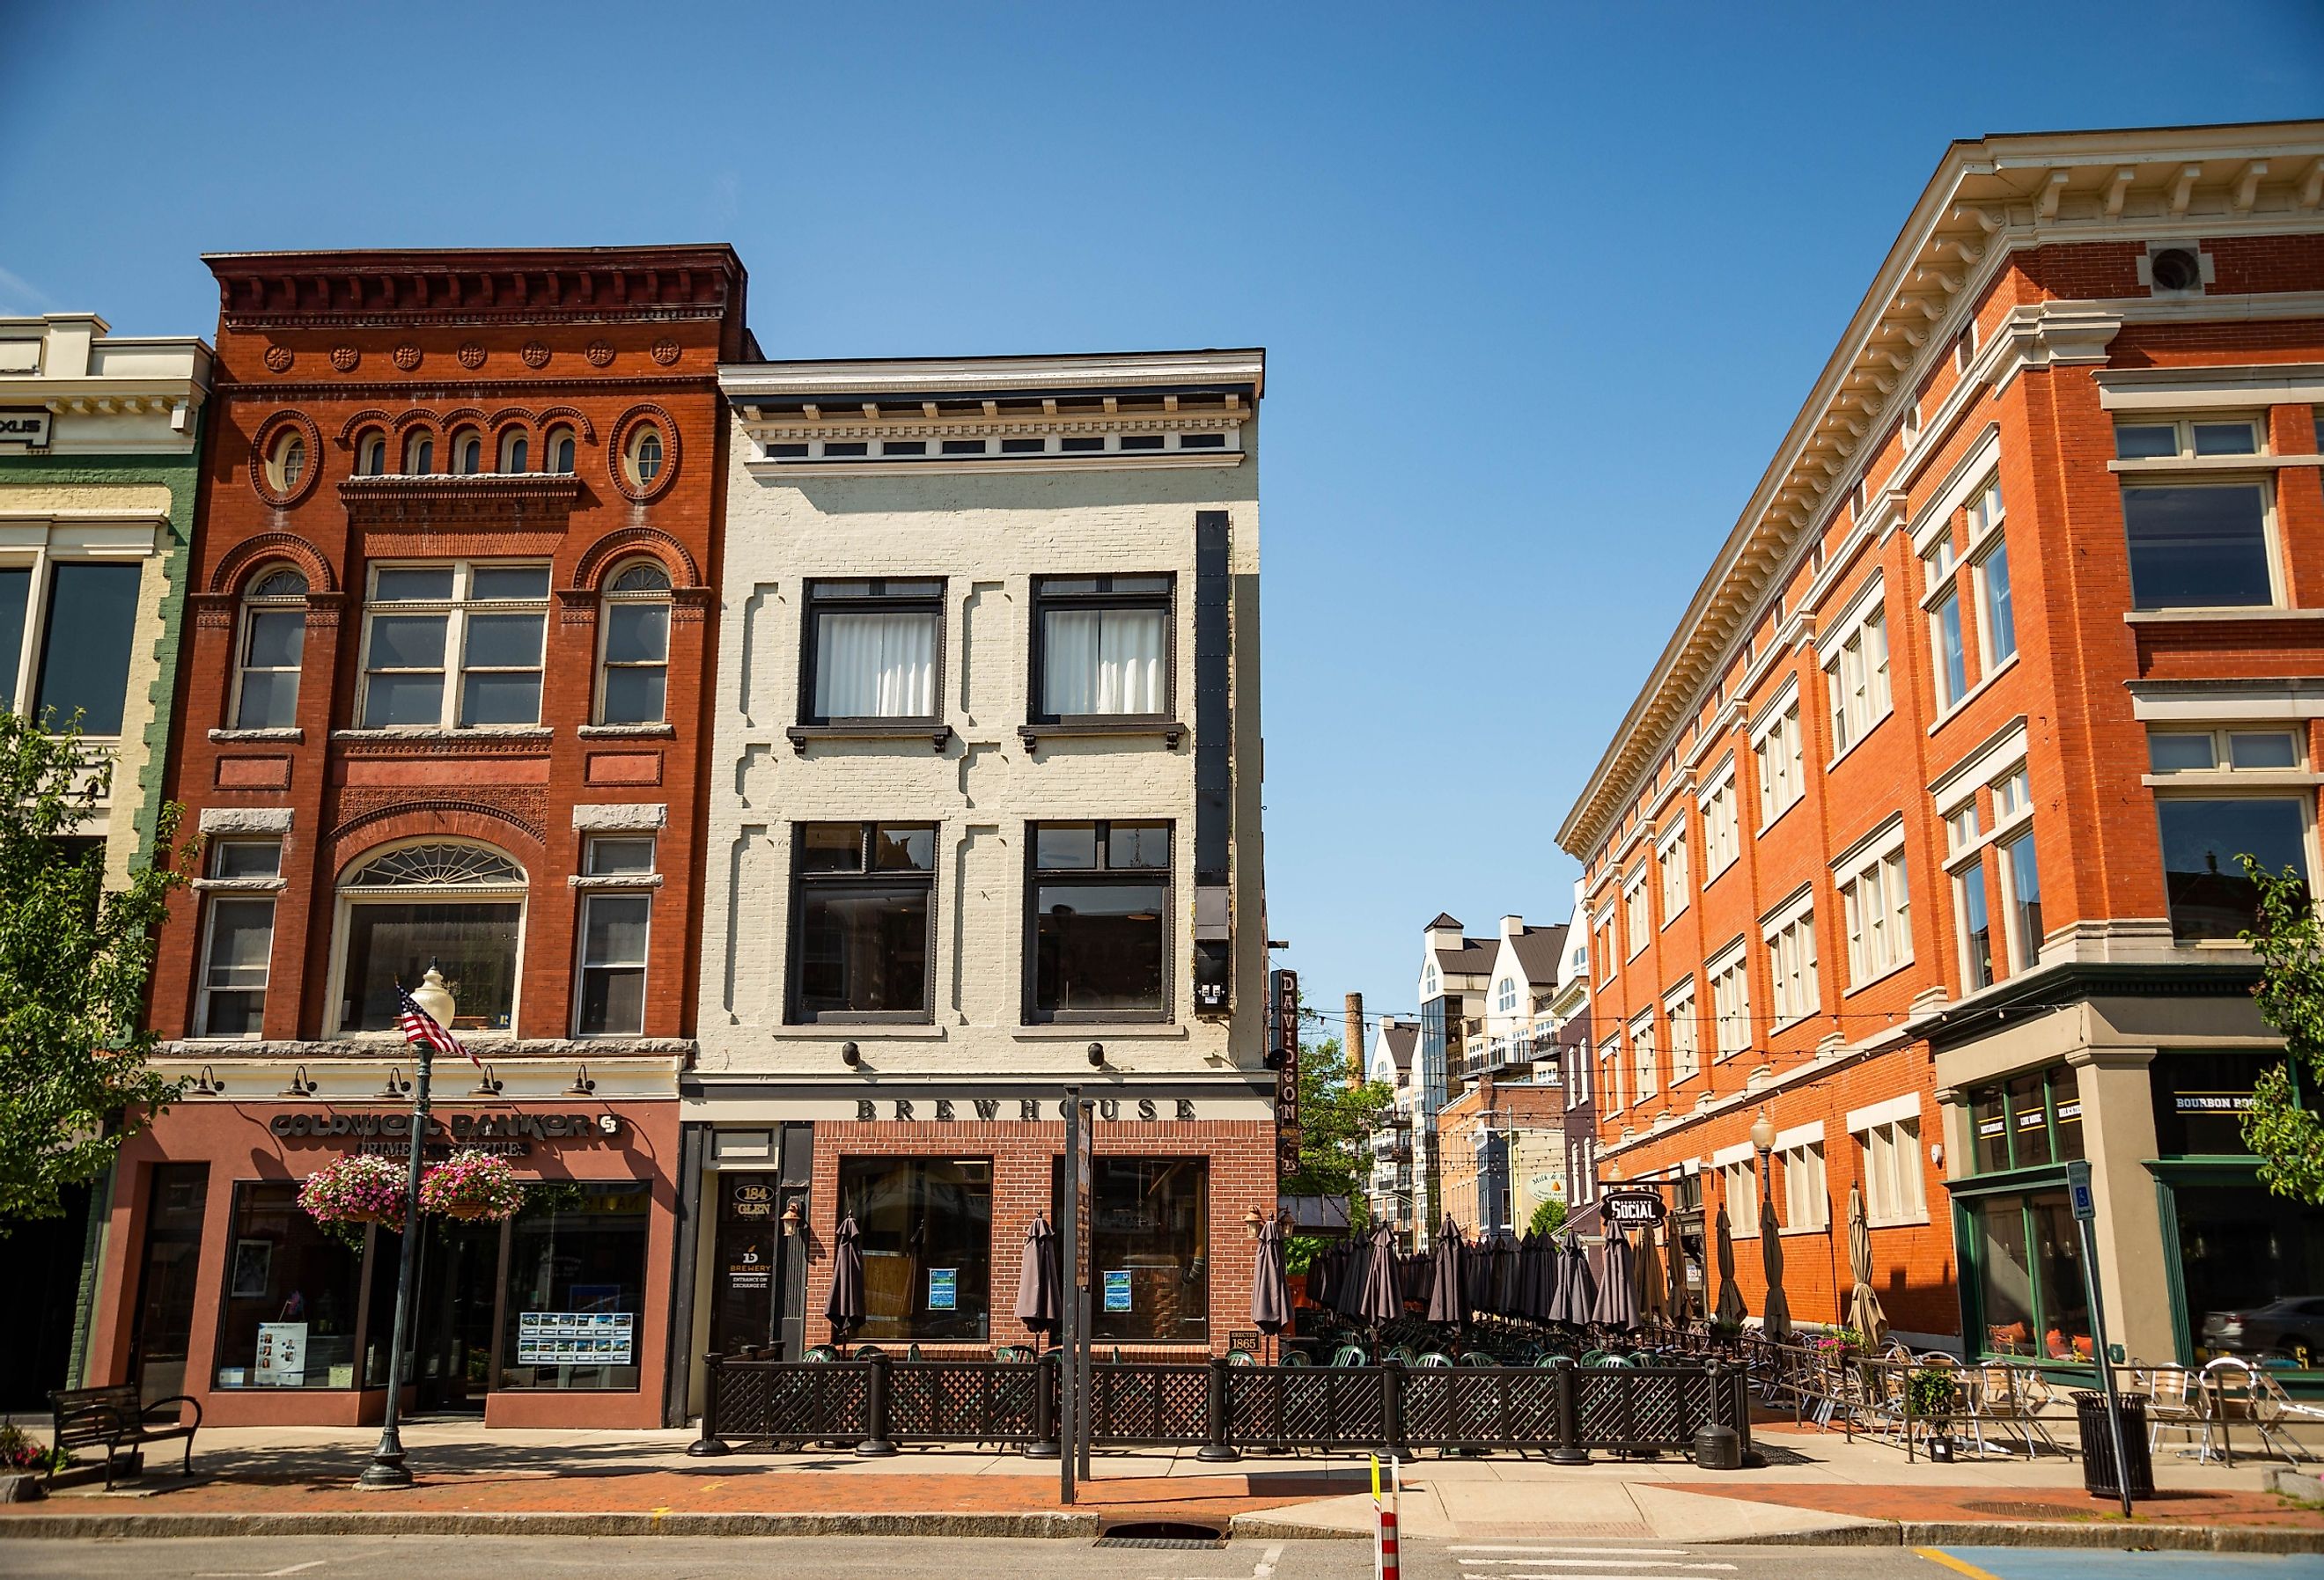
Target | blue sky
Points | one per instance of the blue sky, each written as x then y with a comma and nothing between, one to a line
1541,286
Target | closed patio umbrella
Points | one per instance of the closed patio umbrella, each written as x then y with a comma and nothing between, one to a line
1036,1279
1576,1295
1446,1275
845,1306
1730,1312
1864,1313
1380,1300
1507,1289
1348,1294
1680,1307
1617,1306
1647,1301
1776,1321
1270,1289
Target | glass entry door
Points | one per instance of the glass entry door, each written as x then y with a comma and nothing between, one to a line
164,1320
457,1308
754,1270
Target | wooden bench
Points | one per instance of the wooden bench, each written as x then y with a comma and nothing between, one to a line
112,1418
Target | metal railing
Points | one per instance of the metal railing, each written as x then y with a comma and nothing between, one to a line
1561,1410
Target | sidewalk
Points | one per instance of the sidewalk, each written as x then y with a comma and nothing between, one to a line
1818,1488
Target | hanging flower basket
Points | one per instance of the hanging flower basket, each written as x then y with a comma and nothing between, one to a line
473,1186
355,1190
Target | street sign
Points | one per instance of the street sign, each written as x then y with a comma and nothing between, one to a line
2078,1188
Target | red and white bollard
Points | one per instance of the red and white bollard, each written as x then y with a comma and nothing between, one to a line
1386,1563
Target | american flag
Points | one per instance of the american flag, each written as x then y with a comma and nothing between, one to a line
421,1029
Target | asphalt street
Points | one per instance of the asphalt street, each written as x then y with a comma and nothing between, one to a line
719,1558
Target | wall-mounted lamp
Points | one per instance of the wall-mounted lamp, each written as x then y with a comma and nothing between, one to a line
582,1084
1097,1055
300,1086
1936,1152
396,1086
488,1085
792,1217
1251,1222
850,1054
208,1084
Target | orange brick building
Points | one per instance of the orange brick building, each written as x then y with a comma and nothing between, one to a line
442,699
1921,836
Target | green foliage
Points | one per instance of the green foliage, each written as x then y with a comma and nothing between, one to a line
1931,1393
74,962
1337,1115
1548,1217
2281,1127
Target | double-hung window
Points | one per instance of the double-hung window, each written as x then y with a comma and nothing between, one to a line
1988,549
244,877
1775,749
635,687
616,914
71,656
1721,828
1678,1009
453,646
1730,1000
1098,935
2021,874
1101,648
1948,637
1807,1201
873,650
1890,1153
1856,673
2197,537
1877,907
1964,845
1609,1074
1638,919
1792,953
862,895
1670,861
272,643
2221,794
1642,1057
1738,1188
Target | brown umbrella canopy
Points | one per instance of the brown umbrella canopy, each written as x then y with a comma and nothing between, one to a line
1270,1292
1864,1313
1448,1288
1036,1279
1730,1312
1382,1298
1680,1306
1647,1301
1777,1321
846,1307
1617,1284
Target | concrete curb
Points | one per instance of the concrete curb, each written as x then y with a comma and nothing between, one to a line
427,1522
2111,1537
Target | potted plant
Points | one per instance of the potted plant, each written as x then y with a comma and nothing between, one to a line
1930,1395
354,1190
472,1184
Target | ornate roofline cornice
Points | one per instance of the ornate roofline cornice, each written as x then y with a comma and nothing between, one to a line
1987,199
476,285
958,378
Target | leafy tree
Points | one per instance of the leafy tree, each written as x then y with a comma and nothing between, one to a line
1548,1217
74,962
2286,1134
1337,1115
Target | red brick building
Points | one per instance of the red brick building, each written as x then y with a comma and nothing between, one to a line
444,700
1921,837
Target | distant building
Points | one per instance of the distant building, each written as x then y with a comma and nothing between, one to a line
1390,1185
1453,972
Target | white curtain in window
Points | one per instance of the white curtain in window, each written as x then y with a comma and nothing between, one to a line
1103,661
876,666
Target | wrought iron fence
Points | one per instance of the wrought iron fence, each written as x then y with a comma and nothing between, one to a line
1564,1410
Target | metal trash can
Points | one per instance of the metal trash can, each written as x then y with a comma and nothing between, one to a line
2098,1477
1718,1448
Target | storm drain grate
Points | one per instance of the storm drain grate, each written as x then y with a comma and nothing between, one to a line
1161,1533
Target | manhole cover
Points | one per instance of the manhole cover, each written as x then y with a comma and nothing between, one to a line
1161,1533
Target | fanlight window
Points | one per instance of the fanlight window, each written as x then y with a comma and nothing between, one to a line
644,576
439,866
285,583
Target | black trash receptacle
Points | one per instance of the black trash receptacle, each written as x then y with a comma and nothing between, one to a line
2098,1446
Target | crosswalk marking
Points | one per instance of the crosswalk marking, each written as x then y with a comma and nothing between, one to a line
1543,1559
1561,1547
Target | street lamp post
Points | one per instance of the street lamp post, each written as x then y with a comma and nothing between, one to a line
386,1470
1762,1137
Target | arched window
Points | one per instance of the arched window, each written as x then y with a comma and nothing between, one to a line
644,459
560,449
515,452
635,680
468,452
267,657
370,455
455,903
286,462
420,455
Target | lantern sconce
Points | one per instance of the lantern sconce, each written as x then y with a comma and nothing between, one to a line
396,1086
301,1084
582,1086
851,1055
793,1217
208,1084
1251,1220
1097,1055
488,1085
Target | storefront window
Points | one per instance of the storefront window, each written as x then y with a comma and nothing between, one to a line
2034,1120
927,1228
291,1295
2065,1297
576,1282
1150,1247
2252,1264
2029,1277
2006,1278
1992,1132
2201,1100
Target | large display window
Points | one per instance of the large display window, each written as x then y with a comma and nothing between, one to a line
1150,1247
927,1237
293,1294
575,1304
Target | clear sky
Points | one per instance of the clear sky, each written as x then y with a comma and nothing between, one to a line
1541,286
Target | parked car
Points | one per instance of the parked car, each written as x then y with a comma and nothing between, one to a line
2293,1327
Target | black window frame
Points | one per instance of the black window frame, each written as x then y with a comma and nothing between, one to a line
867,875
813,607
1097,876
1045,601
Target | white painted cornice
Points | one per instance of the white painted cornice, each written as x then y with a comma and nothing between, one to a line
1988,198
904,377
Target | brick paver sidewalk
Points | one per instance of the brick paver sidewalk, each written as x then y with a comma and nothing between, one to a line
2005,1505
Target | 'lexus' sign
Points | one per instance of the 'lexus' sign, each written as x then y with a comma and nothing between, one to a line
29,425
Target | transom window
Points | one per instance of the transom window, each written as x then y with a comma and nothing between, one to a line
862,894
1102,646
635,685
1100,897
2186,437
2028,1120
482,621
457,904
2198,751
273,641
872,650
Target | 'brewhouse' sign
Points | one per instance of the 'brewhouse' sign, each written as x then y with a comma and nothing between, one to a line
947,1110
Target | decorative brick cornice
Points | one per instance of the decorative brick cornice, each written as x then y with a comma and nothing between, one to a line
516,498
256,549
478,286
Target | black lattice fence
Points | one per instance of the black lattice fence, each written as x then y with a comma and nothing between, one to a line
1139,1404
1306,1406
956,1401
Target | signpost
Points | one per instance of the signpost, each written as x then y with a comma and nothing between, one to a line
1075,1250
2085,1214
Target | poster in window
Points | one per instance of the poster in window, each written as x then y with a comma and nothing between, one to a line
573,1339
943,1289
1116,1291
253,1264
751,1265
281,1358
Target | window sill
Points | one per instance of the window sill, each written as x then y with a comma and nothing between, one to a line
859,1030
2193,615
1780,814
662,732
1869,731
238,886
1788,1233
1946,715
1920,1223
1159,1027
1170,730
600,882
289,732
939,735
527,734
1854,988
2246,779
1671,918
2198,466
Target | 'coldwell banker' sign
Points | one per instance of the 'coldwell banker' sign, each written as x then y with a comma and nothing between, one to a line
510,1134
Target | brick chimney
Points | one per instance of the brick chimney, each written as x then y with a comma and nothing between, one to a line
1352,1039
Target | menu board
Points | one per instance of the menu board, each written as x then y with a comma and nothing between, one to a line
281,1360
573,1339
